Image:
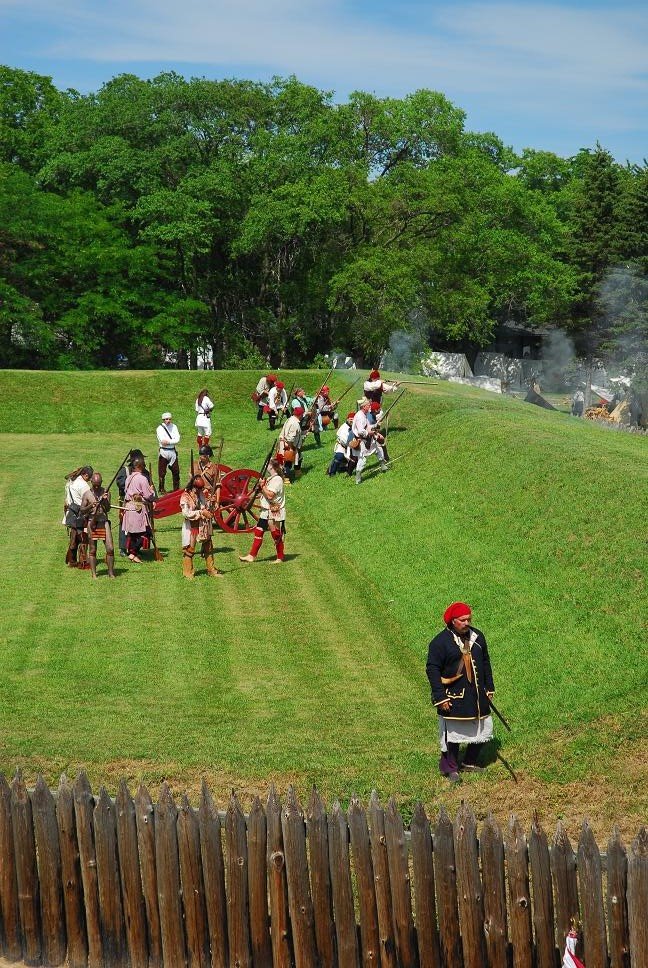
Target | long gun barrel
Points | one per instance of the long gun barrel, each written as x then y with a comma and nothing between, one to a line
416,383
257,486
392,405
343,395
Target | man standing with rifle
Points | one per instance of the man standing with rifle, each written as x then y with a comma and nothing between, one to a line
461,679
95,506
273,511
364,441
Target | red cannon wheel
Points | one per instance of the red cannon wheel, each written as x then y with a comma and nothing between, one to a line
240,507
169,504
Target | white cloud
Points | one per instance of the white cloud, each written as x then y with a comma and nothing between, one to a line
541,58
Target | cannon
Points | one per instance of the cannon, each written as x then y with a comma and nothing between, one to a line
239,505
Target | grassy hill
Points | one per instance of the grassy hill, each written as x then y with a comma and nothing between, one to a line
315,672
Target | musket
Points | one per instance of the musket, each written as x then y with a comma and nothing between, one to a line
415,383
287,404
106,490
392,405
217,485
257,487
313,407
387,411
157,554
342,396
192,462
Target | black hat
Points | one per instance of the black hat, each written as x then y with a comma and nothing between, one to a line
136,453
206,451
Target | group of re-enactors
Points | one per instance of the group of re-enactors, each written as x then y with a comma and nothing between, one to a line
458,664
87,503
357,438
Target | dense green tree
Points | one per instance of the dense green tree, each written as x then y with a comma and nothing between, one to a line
157,218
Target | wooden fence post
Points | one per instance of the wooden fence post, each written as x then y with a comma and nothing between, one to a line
469,888
211,850
49,873
258,887
638,899
591,895
299,898
77,942
145,824
9,910
278,888
543,911
110,906
361,849
26,870
381,883
131,882
427,934
193,890
83,818
318,852
399,880
519,897
238,911
445,879
168,879
491,848
563,869
617,886
345,923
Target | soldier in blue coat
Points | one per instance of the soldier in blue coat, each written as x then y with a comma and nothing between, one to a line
461,680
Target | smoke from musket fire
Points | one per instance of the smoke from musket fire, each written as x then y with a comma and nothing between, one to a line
404,352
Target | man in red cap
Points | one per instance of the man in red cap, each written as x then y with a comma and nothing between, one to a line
341,451
277,401
260,395
374,387
290,444
273,513
461,680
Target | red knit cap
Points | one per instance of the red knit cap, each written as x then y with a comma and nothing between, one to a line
374,375
279,385
298,411
375,405
456,610
351,415
271,378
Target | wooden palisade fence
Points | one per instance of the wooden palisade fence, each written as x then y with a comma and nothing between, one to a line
88,881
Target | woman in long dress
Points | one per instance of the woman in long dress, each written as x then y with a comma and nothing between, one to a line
136,523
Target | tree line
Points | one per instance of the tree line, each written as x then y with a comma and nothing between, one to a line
156,219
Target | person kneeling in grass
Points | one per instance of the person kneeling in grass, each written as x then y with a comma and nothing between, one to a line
273,512
461,680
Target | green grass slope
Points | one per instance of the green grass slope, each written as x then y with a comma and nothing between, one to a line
315,672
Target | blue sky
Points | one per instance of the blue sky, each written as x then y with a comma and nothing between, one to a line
550,75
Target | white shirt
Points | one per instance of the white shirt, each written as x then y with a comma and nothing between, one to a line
343,436
76,489
262,386
205,407
370,386
291,432
168,441
273,402
275,509
360,425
